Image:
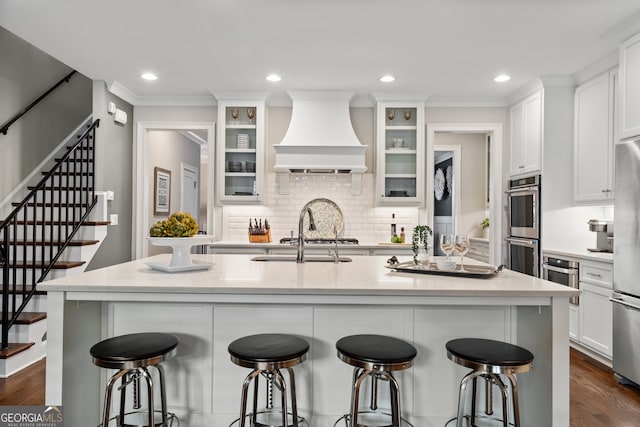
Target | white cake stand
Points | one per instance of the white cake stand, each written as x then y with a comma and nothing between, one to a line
181,257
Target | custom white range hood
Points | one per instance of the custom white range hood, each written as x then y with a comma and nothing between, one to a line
320,138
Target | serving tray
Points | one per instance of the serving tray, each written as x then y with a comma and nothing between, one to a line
474,271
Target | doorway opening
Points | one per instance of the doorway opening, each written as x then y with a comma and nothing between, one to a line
473,191
186,151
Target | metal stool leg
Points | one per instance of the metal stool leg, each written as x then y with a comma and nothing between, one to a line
243,399
294,401
462,393
145,373
282,386
505,398
394,389
123,397
163,395
107,398
355,395
514,397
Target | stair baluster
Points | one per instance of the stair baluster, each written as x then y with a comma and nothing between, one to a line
76,198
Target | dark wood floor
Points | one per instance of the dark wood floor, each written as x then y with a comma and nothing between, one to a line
597,399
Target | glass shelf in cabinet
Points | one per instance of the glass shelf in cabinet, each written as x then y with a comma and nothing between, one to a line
241,126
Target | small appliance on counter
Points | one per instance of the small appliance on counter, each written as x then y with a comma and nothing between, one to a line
604,239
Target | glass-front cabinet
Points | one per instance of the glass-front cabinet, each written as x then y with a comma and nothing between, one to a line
240,166
400,154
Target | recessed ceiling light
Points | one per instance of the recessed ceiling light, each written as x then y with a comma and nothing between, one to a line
149,76
274,78
502,78
387,79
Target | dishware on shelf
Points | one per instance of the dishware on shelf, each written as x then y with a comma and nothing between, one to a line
407,115
181,253
251,113
461,246
398,142
242,141
234,113
391,114
234,166
447,244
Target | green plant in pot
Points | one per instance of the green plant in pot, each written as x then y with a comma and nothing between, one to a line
485,223
420,239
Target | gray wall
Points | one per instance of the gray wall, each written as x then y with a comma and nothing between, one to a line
114,157
25,73
170,150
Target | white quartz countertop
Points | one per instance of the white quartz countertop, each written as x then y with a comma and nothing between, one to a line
276,244
580,253
237,274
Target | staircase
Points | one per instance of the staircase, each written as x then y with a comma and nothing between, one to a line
53,232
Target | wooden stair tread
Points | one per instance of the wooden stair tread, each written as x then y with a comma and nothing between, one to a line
47,243
60,265
69,173
58,188
15,348
55,205
29,317
20,289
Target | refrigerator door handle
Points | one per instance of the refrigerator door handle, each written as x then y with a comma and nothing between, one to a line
625,303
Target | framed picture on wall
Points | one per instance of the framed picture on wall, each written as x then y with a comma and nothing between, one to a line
161,191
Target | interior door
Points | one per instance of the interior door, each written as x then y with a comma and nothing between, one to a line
190,191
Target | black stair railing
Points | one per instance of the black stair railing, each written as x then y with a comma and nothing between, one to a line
36,232
5,127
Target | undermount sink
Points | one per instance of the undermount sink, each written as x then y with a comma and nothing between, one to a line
292,258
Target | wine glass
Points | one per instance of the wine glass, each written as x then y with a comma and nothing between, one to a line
462,246
391,114
447,244
251,113
407,115
234,113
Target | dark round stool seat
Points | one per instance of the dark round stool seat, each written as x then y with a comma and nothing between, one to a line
489,355
134,350
266,355
377,350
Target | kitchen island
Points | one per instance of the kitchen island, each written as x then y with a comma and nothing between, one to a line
321,302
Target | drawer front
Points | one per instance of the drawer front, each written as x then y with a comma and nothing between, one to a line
597,273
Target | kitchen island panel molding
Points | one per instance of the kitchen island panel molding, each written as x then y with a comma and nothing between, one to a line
208,309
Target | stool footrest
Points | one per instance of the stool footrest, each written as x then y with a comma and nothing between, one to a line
277,419
171,417
372,419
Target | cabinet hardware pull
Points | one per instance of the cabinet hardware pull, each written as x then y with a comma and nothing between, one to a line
594,274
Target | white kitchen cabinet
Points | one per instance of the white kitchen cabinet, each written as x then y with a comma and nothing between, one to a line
240,155
400,149
630,88
596,312
526,135
593,159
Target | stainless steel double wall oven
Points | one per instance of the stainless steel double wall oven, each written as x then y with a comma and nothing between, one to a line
523,242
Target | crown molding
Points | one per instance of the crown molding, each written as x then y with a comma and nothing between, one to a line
132,98
474,102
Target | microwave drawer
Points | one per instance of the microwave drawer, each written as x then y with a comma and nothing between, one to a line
597,273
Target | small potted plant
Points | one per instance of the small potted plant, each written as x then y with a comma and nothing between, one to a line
485,228
420,239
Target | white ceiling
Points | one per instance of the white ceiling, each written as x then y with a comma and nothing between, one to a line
435,48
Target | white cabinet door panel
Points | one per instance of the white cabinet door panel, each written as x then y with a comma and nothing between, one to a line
630,87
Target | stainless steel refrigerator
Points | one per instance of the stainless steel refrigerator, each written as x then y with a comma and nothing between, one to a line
626,262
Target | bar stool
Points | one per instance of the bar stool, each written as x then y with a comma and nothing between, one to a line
266,354
375,356
489,359
132,354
